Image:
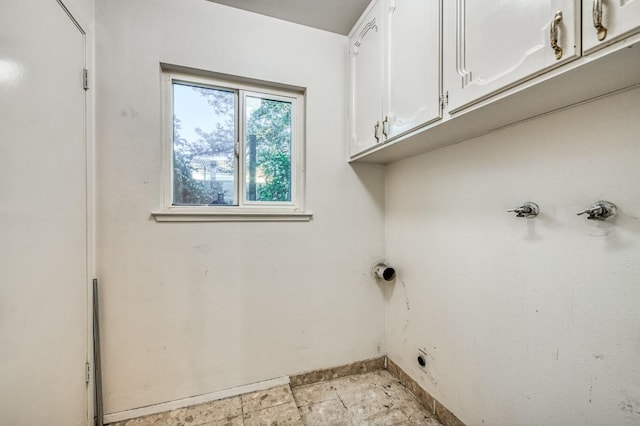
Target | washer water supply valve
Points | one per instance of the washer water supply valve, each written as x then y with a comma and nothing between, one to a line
528,209
600,210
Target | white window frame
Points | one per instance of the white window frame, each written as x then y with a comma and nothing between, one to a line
245,210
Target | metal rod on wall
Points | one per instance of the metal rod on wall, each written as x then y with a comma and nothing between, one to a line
97,372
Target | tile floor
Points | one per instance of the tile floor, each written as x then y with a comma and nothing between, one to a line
375,398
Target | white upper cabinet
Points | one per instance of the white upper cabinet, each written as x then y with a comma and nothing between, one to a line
412,77
428,73
492,45
395,71
366,81
605,21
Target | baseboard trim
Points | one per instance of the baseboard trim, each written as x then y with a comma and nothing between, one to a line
446,417
194,400
317,376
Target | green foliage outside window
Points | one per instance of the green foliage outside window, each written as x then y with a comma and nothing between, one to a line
267,156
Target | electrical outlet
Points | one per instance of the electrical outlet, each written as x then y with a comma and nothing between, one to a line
422,360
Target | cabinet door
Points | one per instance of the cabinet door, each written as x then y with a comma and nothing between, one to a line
605,21
412,80
492,45
366,72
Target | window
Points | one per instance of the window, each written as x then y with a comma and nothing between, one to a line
234,150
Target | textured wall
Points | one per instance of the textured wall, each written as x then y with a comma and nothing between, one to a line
532,321
192,308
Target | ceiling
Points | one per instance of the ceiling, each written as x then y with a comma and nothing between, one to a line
337,16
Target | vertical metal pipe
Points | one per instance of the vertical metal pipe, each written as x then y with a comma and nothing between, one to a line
97,371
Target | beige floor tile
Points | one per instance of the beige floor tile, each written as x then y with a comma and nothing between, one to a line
313,394
383,377
415,412
370,407
371,399
397,392
357,389
260,400
379,396
353,383
235,421
426,422
369,395
383,418
407,402
331,412
168,418
223,409
281,415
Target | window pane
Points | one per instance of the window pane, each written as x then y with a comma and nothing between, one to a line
268,150
204,161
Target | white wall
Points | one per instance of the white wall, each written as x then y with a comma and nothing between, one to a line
83,12
525,322
192,308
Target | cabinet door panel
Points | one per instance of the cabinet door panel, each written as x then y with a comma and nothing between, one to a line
620,18
490,46
366,74
412,89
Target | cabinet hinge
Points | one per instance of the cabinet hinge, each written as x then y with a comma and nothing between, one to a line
87,377
354,48
85,79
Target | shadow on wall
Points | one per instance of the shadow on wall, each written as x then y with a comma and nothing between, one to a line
372,177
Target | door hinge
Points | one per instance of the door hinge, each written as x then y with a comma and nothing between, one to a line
444,100
87,377
85,79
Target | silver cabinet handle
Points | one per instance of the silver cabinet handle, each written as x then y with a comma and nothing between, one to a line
375,131
553,34
597,20
385,126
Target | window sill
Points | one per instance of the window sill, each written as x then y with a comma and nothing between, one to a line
231,216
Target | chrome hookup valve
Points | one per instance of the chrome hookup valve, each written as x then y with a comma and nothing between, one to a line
528,209
600,210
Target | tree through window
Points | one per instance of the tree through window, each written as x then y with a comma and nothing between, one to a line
231,146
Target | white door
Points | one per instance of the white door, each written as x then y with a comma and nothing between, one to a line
606,21
43,272
412,83
366,74
492,45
